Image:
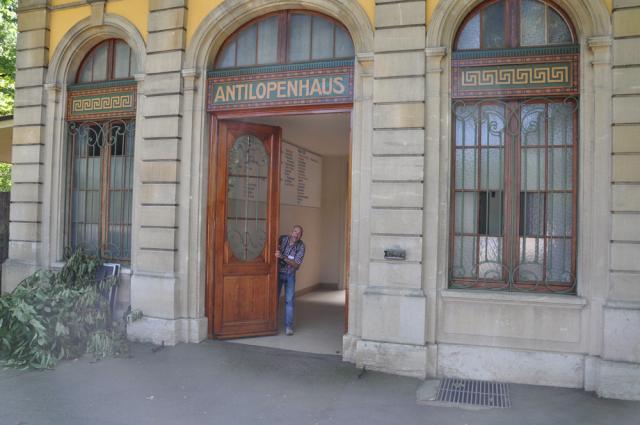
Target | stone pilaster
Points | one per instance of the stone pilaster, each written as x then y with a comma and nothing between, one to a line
394,303
155,285
616,373
25,230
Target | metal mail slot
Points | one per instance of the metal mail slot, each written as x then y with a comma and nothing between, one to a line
395,254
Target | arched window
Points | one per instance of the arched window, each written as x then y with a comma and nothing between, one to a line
514,142
109,60
286,37
100,133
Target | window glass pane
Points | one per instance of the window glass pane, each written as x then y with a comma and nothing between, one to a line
116,206
247,193
100,62
466,212
466,169
464,256
131,136
86,71
491,166
493,125
122,54
532,125
559,260
344,45
268,40
92,211
490,214
558,29
133,68
532,169
466,118
490,258
531,259
78,203
493,26
80,174
559,214
299,38
532,23
117,174
322,39
560,169
227,58
118,242
469,38
247,46
531,214
560,123
93,173
117,138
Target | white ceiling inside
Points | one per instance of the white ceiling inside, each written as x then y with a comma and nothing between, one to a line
324,134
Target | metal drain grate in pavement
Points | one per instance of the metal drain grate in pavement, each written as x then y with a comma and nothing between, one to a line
466,392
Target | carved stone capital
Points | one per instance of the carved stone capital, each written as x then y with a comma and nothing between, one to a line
365,60
53,91
434,57
601,49
190,77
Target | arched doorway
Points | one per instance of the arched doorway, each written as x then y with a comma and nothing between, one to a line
276,90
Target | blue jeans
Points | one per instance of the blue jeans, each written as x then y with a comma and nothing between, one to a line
288,280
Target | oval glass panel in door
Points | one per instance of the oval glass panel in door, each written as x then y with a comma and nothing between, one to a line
247,194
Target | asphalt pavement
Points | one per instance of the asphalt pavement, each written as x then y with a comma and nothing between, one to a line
218,382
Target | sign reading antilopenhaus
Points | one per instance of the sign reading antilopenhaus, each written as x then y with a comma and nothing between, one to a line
314,83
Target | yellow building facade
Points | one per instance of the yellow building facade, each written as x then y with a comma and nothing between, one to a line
465,171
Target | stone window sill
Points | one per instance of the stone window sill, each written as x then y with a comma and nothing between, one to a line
57,265
546,300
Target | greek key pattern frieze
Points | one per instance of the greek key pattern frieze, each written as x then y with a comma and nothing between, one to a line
548,74
473,78
98,103
109,103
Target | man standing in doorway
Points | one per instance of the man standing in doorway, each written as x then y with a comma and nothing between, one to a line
290,255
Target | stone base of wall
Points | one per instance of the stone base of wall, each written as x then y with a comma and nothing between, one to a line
399,359
612,379
14,272
608,379
506,365
171,332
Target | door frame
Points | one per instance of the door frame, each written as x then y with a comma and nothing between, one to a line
212,192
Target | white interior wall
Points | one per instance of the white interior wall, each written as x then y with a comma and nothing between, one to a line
324,227
334,203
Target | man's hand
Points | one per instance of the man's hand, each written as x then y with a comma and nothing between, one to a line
278,255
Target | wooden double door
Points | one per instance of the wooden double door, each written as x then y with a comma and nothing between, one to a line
243,231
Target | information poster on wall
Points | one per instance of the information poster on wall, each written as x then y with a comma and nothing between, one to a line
300,177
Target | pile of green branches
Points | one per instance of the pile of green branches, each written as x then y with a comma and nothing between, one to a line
54,315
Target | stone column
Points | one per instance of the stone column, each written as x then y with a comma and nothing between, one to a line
155,283
25,229
394,302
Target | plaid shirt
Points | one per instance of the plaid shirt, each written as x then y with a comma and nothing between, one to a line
288,251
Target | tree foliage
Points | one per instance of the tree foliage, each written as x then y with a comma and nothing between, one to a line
8,37
59,315
5,177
